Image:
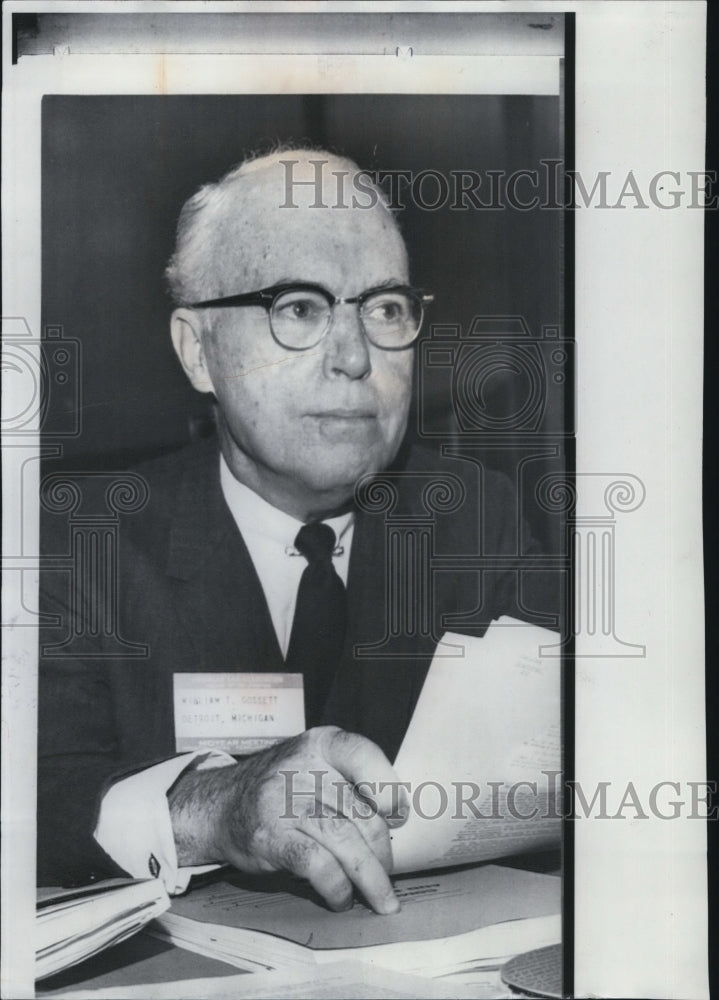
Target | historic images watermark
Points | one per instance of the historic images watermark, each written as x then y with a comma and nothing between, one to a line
549,187
550,798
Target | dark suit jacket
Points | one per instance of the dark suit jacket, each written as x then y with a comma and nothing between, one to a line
189,592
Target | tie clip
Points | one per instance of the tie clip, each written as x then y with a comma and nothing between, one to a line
290,550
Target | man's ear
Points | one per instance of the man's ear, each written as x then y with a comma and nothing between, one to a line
186,332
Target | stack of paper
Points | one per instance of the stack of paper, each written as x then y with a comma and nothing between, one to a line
73,924
450,922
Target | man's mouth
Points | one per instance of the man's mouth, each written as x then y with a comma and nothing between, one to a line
342,413
345,425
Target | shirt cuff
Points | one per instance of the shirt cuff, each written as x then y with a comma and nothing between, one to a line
134,827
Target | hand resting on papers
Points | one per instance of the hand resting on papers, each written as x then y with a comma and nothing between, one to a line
295,807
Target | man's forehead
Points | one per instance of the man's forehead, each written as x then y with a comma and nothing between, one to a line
310,187
266,236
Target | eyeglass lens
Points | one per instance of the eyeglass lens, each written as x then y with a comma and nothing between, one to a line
300,318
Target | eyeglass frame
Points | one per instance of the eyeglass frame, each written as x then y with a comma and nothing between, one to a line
266,297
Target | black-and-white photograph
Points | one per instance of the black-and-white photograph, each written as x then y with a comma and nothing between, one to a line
321,368
315,588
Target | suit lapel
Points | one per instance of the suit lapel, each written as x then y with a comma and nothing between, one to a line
222,605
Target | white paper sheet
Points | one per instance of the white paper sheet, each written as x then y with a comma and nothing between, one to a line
484,726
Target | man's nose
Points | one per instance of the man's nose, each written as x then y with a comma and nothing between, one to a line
348,350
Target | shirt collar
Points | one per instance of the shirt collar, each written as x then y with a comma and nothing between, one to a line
256,516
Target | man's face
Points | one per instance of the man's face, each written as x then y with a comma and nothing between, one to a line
300,427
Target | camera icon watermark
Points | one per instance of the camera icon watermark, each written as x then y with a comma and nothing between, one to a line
42,384
498,378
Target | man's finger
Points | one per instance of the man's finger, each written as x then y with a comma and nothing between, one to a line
362,762
306,857
365,816
339,835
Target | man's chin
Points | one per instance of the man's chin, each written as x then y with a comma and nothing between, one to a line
338,482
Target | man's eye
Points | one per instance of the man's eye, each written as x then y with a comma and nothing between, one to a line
387,311
299,309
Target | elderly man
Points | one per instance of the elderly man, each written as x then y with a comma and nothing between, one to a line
299,318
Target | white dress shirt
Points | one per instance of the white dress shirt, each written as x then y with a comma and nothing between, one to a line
269,535
134,826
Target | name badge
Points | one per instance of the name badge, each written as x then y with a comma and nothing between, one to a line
239,713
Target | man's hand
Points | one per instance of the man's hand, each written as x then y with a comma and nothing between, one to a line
318,805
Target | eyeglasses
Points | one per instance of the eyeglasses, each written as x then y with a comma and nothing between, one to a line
300,315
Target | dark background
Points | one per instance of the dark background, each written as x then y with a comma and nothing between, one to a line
116,171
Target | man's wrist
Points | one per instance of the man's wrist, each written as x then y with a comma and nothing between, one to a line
198,801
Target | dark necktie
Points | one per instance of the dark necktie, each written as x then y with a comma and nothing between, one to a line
318,628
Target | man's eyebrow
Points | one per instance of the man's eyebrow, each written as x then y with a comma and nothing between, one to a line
387,283
390,283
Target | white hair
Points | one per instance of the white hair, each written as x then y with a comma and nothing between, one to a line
191,271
